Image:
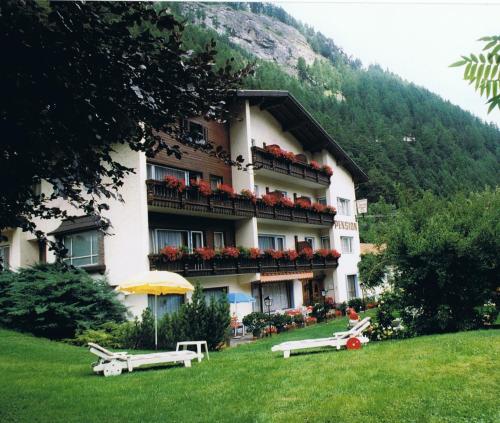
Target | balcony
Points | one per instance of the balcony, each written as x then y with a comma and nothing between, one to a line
190,200
190,266
262,159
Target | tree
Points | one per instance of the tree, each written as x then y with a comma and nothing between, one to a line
85,76
483,71
445,254
372,270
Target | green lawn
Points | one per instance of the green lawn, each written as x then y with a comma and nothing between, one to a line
446,378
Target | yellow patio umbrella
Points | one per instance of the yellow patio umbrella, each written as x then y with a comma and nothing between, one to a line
156,283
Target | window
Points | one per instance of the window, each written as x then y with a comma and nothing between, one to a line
256,190
215,181
198,133
351,286
158,173
177,238
219,240
280,292
4,256
325,242
321,200
275,242
216,293
83,248
343,206
167,304
346,244
310,240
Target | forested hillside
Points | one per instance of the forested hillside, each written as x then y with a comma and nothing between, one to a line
402,135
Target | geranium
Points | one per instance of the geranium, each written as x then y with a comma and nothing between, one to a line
249,194
302,203
328,170
334,253
269,200
204,253
293,312
254,253
306,253
330,210
315,165
288,155
171,253
310,320
323,252
175,183
226,190
318,207
202,186
291,255
275,150
231,252
286,202
275,254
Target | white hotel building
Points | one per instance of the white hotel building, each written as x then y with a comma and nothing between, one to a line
154,216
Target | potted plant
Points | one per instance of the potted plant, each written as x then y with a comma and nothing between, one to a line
255,322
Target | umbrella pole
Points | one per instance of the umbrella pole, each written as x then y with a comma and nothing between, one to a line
156,322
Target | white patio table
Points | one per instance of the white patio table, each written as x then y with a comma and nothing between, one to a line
185,344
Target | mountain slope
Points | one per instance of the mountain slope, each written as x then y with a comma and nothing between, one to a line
402,135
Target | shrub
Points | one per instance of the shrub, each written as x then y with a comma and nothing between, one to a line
217,319
488,313
255,322
356,304
319,312
298,319
54,301
108,335
280,321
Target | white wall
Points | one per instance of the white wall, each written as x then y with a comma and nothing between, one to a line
240,134
289,231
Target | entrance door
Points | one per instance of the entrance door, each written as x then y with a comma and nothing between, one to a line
311,291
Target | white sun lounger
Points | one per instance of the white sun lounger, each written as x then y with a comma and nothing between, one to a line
338,340
112,363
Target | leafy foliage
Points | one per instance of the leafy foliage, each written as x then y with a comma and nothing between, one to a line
446,259
84,78
372,270
483,71
55,302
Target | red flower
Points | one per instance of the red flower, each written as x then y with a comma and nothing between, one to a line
330,209
302,203
286,202
279,153
311,320
275,254
323,252
306,253
269,200
288,155
249,194
175,183
291,255
334,253
226,189
254,253
231,252
315,165
171,253
318,207
204,253
328,170
202,186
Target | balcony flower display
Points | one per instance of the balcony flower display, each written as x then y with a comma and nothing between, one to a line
275,254
230,252
204,253
226,190
318,207
285,202
306,253
326,253
175,183
279,153
171,253
246,193
288,155
315,165
330,210
291,255
328,170
254,253
302,203
202,186
269,200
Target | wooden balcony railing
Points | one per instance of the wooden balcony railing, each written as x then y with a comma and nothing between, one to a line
263,159
190,266
159,195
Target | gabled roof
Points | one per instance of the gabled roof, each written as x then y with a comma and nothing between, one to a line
299,122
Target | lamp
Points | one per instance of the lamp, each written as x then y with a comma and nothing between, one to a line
268,302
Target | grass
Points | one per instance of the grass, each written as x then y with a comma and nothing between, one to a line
443,378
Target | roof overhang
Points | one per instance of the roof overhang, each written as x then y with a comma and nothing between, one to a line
298,121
